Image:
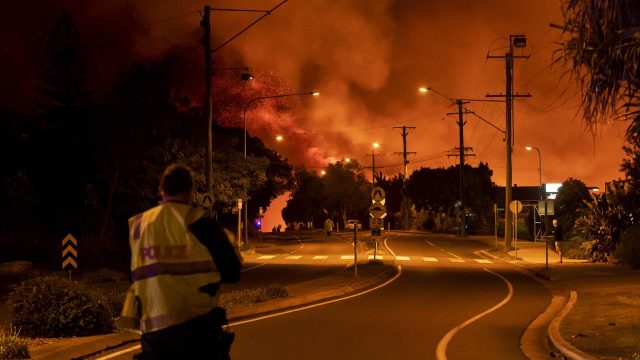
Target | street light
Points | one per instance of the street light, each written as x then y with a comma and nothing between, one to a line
375,145
278,138
529,148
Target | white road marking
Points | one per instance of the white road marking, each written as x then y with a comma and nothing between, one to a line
320,257
430,243
456,260
346,257
266,257
293,257
118,353
322,303
484,261
381,257
429,259
452,254
403,258
253,267
441,350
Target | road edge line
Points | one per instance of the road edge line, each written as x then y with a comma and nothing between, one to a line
321,303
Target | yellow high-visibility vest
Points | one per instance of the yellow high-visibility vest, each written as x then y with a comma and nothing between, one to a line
169,266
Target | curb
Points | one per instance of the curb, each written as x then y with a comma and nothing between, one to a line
272,306
565,348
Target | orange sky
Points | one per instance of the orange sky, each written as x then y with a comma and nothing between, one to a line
368,58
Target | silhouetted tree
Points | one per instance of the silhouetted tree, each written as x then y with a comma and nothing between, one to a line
571,197
601,51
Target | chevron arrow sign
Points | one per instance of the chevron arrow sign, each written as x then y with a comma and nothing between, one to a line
69,252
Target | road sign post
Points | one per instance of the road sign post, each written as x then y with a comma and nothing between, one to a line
355,250
69,253
516,207
377,211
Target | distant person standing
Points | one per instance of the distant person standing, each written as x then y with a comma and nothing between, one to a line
557,236
328,226
179,258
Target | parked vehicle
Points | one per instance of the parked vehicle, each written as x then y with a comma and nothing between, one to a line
352,223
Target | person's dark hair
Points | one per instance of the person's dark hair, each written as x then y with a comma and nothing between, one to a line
176,179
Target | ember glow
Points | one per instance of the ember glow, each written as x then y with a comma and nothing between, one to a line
367,58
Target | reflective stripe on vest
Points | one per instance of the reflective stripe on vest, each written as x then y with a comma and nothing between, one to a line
169,265
158,269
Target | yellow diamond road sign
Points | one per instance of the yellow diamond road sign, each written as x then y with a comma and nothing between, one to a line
378,194
377,210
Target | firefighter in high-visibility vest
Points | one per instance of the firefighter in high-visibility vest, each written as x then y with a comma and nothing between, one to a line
179,257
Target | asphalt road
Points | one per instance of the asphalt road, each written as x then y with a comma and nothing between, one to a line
456,306
410,317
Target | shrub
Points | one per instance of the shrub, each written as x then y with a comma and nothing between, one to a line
104,275
238,298
55,307
12,346
628,249
577,248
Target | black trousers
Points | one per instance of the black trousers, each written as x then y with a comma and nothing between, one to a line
199,338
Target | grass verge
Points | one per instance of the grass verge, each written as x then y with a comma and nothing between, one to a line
606,324
237,298
12,346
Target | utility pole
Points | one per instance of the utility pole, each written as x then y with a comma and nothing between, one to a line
461,153
373,169
404,153
205,23
517,41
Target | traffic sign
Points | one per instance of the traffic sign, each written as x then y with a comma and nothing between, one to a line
515,206
207,201
377,210
375,223
69,252
378,194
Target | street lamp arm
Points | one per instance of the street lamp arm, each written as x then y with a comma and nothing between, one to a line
439,93
485,120
246,107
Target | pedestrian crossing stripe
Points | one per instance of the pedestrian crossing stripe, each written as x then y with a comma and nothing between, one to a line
370,257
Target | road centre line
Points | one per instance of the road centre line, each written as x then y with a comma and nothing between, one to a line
397,275
441,350
320,257
434,245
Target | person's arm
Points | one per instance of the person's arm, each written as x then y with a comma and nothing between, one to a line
224,254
